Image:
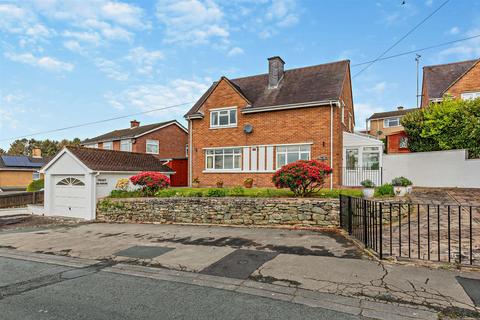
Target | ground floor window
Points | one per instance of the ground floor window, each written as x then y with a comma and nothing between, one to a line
223,159
289,154
351,158
371,158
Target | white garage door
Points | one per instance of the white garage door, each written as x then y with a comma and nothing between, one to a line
70,196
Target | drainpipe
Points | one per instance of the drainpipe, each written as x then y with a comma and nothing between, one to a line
190,152
331,143
95,194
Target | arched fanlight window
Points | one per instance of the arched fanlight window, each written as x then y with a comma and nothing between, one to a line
70,182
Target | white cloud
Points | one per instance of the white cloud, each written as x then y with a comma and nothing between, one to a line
235,51
429,3
144,60
191,21
454,30
363,111
11,110
469,49
21,21
148,97
379,88
45,62
123,14
111,69
283,13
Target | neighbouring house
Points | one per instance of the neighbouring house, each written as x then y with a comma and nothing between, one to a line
167,140
397,142
249,127
381,124
76,177
16,172
459,80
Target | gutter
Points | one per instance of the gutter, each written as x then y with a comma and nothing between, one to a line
290,106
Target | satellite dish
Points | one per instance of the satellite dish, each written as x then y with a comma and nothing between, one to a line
248,128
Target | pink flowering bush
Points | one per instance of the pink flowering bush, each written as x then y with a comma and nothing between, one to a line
150,182
303,177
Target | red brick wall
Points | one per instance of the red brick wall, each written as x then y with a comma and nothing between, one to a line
468,83
274,127
172,142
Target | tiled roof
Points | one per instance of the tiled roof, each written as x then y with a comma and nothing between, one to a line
128,132
302,85
439,78
111,160
22,162
388,114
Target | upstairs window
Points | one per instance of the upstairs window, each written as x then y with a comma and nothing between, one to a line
126,145
108,145
152,146
36,176
223,118
391,122
470,95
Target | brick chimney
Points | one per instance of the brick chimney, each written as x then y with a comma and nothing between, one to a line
275,71
36,153
400,108
134,124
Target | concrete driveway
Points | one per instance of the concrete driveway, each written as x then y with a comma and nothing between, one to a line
322,262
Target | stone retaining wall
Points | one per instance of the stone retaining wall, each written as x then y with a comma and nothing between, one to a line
234,211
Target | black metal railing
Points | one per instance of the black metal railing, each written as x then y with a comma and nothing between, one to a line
436,232
352,176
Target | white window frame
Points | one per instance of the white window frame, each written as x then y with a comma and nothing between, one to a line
278,152
470,95
220,152
154,143
109,144
186,150
343,112
226,112
127,143
36,176
94,145
386,122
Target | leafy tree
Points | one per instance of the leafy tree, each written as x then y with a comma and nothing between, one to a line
2,151
48,147
451,124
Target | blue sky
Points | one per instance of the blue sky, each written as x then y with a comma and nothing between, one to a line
67,62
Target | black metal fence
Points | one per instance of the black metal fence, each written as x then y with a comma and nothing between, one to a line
436,232
352,176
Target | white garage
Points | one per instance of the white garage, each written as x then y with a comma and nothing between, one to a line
77,177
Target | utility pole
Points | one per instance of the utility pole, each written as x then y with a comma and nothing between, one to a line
417,59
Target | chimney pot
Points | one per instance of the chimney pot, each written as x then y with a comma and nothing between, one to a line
36,153
275,71
400,108
134,124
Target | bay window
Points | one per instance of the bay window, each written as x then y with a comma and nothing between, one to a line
289,154
223,118
223,159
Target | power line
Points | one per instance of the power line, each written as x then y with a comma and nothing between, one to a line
96,122
414,51
402,38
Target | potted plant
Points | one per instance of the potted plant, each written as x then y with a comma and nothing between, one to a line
220,184
195,182
248,183
368,188
401,186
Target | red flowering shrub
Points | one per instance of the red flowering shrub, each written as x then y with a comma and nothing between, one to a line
150,182
303,177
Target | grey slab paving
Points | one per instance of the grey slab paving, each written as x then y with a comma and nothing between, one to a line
472,288
143,252
239,264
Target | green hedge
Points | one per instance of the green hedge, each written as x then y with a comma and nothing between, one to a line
235,192
36,185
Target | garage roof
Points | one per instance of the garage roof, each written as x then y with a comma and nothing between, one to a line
111,160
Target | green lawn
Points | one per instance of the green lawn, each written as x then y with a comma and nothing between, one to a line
238,192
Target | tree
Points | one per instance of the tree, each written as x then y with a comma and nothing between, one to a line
451,124
2,151
48,147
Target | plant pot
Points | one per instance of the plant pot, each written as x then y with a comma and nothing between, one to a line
219,184
400,191
409,189
368,192
248,185
195,184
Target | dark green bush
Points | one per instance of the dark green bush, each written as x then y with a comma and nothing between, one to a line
236,192
216,192
36,185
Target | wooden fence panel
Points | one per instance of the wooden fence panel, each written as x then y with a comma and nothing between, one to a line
20,199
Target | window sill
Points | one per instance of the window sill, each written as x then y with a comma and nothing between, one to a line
223,171
223,127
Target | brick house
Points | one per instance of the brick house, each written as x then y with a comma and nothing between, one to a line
382,124
458,79
16,172
167,140
249,127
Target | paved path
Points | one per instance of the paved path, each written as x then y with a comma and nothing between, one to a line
13,211
39,286
322,263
